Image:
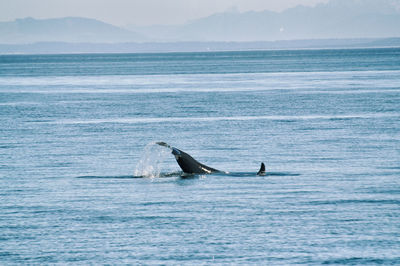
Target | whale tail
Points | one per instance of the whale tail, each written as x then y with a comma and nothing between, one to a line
190,166
187,163
262,170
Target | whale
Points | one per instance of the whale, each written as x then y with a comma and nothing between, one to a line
262,169
189,165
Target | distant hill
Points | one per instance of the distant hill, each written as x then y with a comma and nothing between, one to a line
335,19
69,29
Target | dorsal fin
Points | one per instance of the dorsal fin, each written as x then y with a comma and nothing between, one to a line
262,169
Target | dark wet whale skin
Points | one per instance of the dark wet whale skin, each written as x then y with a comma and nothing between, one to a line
189,165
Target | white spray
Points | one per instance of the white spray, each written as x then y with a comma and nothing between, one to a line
150,162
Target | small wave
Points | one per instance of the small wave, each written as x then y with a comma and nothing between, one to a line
7,146
249,174
149,120
361,261
18,103
281,174
188,176
348,91
107,176
65,90
355,201
173,174
389,168
161,175
104,80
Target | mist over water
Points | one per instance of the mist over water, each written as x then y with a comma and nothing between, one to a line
77,135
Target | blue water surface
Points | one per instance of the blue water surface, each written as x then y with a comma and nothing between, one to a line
74,128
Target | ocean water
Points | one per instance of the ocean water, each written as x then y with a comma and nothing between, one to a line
77,131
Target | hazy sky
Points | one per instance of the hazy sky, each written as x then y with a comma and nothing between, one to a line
137,12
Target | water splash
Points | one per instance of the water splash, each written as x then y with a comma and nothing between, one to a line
151,160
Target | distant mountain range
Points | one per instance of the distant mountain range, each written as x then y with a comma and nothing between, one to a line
335,19
69,29
363,23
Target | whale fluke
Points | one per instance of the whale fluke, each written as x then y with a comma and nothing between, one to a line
161,143
187,163
190,166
